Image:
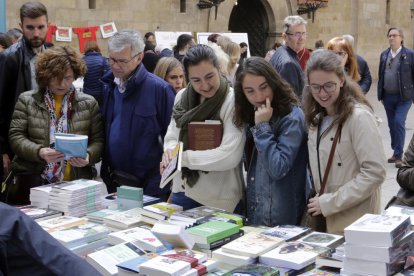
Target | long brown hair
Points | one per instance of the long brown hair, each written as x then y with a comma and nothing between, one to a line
351,64
349,94
283,96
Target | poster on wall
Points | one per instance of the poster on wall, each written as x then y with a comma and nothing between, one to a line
108,29
235,37
168,39
63,34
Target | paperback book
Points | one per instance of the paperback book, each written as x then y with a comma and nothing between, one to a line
323,239
397,210
61,222
195,215
377,230
295,255
232,259
221,242
131,267
212,231
143,237
174,234
162,265
253,269
38,213
287,232
72,145
252,245
174,167
124,220
373,268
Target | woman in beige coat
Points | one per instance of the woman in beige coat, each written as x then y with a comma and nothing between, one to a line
333,100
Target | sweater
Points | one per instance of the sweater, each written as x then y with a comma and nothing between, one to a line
222,186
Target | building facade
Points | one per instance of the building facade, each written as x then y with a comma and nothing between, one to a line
367,20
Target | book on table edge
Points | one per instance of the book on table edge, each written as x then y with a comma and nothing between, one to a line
162,265
323,239
219,243
38,213
141,236
72,145
377,230
173,234
254,269
204,135
174,167
77,235
287,232
231,259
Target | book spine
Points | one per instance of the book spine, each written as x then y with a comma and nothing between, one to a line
400,231
225,240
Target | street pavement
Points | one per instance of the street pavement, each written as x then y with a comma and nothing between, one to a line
390,186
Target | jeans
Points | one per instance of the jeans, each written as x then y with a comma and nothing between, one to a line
397,111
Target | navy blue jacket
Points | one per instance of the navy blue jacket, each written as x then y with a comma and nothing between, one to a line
26,249
146,113
97,66
363,69
405,74
286,63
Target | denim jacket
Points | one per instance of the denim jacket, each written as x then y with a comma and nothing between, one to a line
277,175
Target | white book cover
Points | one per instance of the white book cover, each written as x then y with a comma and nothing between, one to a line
373,268
323,239
232,259
162,265
384,254
105,260
294,255
81,234
397,210
125,219
59,222
287,232
377,230
143,237
252,244
174,167
174,234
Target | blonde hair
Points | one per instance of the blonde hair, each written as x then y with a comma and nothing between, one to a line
232,49
165,65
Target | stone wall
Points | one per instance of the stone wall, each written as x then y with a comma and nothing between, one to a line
367,20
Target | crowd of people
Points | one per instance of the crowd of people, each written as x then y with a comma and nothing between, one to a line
279,117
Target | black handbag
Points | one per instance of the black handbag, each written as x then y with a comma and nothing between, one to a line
16,187
119,178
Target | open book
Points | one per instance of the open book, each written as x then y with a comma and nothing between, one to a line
72,145
174,167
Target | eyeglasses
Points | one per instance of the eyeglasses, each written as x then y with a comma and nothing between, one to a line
328,87
298,34
121,62
341,53
393,35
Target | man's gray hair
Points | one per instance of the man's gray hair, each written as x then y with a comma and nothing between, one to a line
124,38
293,20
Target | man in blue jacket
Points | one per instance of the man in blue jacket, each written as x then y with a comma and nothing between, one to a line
396,89
136,108
27,249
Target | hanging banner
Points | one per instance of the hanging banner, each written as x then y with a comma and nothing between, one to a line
108,29
63,34
84,34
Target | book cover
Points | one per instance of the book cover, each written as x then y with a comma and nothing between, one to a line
204,135
253,269
143,237
72,145
133,264
329,262
162,265
174,167
58,222
323,239
160,210
224,216
98,216
219,243
105,260
319,272
129,197
124,220
38,213
252,244
232,259
174,234
212,231
377,230
195,214
373,268
295,255
397,210
202,269
80,234
287,232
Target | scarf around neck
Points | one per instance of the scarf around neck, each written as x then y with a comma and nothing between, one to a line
189,109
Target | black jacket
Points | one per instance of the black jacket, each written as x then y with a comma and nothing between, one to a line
26,249
366,80
286,63
405,74
15,78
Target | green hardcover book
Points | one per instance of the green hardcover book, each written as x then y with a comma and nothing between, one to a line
212,231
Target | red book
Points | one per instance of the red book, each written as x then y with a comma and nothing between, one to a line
204,135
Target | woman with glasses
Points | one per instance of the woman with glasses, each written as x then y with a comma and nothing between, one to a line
55,107
335,106
209,177
275,152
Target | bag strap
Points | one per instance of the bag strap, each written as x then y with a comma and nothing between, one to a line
331,154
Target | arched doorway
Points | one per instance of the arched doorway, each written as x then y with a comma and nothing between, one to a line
250,16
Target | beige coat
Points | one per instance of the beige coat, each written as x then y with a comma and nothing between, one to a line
358,169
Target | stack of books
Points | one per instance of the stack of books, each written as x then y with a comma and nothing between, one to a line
254,269
77,198
61,222
38,213
124,220
153,213
173,234
99,216
287,232
129,197
39,196
377,244
192,216
212,231
144,238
